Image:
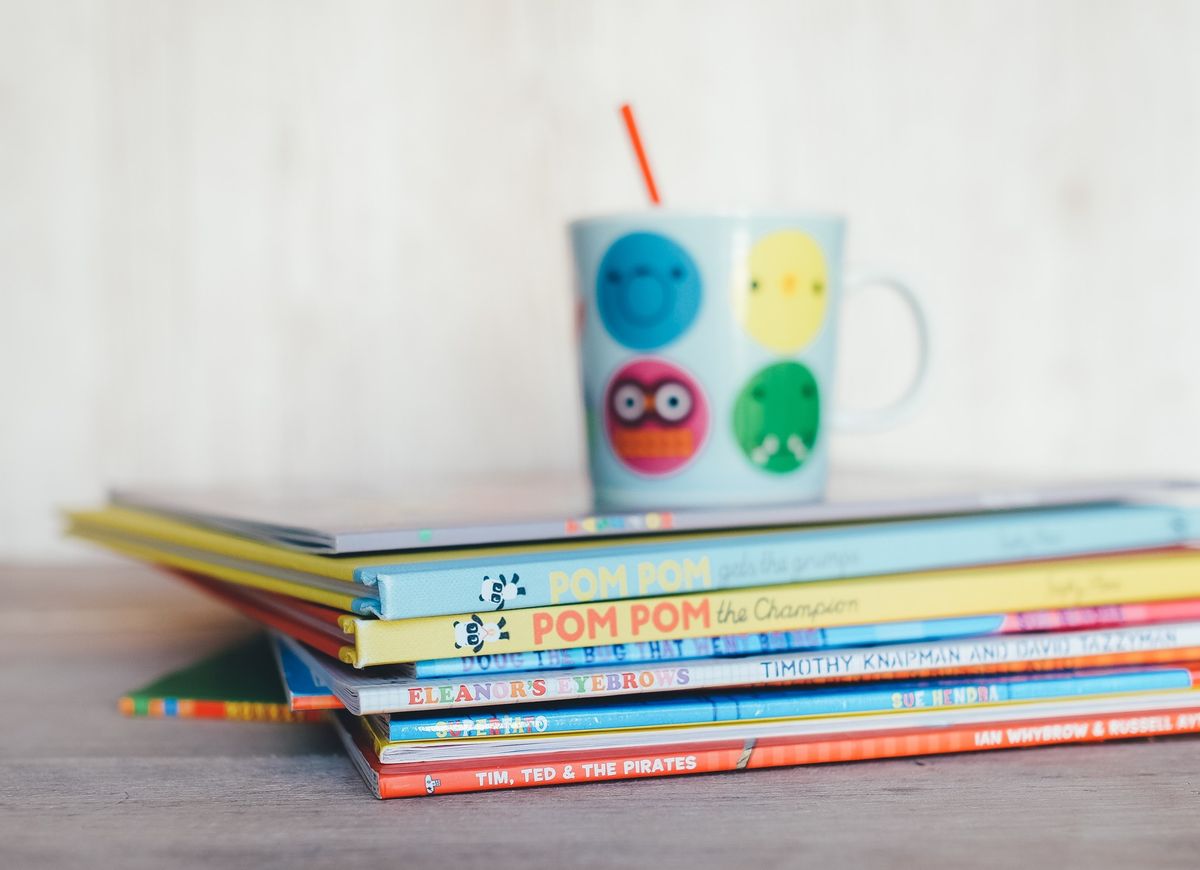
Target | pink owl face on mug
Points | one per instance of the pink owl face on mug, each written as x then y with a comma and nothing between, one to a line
655,416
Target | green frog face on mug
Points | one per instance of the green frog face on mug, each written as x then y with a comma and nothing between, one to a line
776,417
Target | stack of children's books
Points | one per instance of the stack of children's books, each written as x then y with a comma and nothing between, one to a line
510,649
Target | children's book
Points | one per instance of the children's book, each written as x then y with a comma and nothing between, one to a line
388,690
812,741
1067,583
813,639
408,736
728,646
500,579
300,684
239,682
449,513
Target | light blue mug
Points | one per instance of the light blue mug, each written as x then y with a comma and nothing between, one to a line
708,345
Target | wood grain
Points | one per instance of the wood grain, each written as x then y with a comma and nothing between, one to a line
81,786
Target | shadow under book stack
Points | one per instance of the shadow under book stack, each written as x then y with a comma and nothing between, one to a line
476,656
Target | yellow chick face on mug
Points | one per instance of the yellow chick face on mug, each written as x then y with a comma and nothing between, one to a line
782,298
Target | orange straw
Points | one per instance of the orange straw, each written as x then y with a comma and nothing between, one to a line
647,175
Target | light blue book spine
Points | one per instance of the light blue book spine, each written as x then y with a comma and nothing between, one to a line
541,578
713,647
785,704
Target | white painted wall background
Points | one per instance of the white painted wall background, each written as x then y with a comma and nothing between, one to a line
268,240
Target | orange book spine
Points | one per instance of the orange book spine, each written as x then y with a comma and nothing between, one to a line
412,780
190,708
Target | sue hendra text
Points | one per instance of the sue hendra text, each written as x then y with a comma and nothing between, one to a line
645,579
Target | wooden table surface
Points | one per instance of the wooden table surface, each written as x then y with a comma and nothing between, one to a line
82,786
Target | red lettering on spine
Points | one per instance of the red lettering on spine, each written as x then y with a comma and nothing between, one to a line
601,619
570,633
639,616
698,611
666,617
542,623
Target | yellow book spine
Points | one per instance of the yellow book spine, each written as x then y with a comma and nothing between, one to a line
130,523
925,595
222,572
152,528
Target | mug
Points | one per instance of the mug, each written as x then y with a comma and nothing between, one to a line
707,347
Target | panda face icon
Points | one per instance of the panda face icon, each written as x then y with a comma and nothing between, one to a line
498,590
493,591
474,633
431,784
466,634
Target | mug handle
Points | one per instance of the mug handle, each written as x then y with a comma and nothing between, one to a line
876,419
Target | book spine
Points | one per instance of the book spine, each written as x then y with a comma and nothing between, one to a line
329,643
711,647
190,708
213,566
314,703
1109,616
686,710
787,704
796,606
513,581
813,639
394,781
303,692
1174,642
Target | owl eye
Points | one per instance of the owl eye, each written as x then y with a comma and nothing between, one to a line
818,287
807,391
613,276
754,284
629,402
677,273
673,401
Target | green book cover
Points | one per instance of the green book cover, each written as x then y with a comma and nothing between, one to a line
238,682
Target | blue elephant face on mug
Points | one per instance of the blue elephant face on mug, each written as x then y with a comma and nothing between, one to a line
647,290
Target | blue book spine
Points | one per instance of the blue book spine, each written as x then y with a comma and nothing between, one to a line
699,563
712,647
299,681
784,704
